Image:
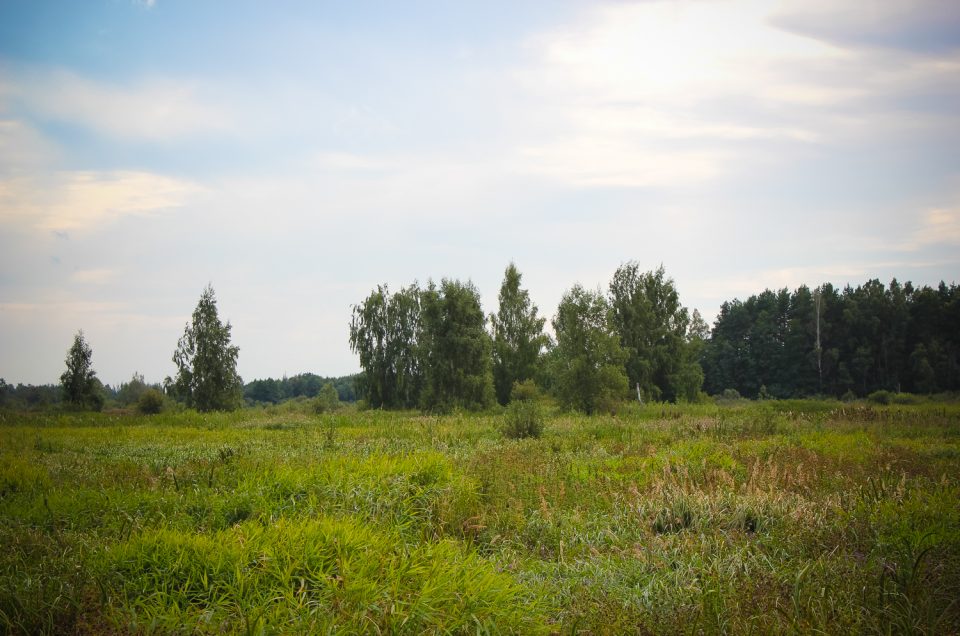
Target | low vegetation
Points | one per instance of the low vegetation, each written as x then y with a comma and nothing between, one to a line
739,517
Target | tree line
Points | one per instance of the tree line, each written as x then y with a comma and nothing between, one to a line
206,377
833,342
433,348
302,385
430,347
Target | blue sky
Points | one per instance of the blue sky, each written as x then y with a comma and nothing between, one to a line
294,155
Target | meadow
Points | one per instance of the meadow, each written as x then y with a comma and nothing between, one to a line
747,517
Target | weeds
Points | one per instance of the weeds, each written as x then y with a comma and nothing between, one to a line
780,517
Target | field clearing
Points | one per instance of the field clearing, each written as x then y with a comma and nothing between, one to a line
773,517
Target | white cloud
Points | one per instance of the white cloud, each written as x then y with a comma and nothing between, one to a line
667,93
940,226
156,109
100,276
80,200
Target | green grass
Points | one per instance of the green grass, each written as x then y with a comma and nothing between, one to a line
774,517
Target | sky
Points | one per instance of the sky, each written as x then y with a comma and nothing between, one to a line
296,154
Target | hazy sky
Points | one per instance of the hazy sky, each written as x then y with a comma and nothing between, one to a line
294,155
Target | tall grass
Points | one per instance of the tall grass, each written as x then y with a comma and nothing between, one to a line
774,517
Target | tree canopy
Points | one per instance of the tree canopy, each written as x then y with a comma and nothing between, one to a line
79,383
207,378
518,338
587,362
830,341
652,325
455,348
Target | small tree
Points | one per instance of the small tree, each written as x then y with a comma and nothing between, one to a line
150,402
206,362
328,399
81,388
518,337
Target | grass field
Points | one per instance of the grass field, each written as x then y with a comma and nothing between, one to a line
776,517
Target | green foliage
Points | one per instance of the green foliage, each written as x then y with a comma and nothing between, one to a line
207,378
880,397
652,327
150,402
587,363
79,383
455,348
385,332
830,341
130,392
518,338
307,385
524,416
327,400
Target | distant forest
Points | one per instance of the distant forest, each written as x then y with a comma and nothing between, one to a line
269,391
433,347
829,341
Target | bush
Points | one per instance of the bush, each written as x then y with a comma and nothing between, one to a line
524,418
729,394
849,396
880,397
150,402
524,391
327,400
906,398
524,415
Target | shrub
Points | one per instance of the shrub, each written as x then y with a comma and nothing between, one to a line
880,397
905,398
729,394
524,391
150,402
849,396
524,418
524,415
327,400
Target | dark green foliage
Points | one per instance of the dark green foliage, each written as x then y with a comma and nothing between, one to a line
301,385
207,378
385,332
30,397
587,363
652,326
455,348
863,339
518,338
81,388
150,402
129,393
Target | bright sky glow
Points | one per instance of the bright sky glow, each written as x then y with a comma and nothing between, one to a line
294,155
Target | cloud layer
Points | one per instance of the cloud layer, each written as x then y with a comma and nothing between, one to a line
295,161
